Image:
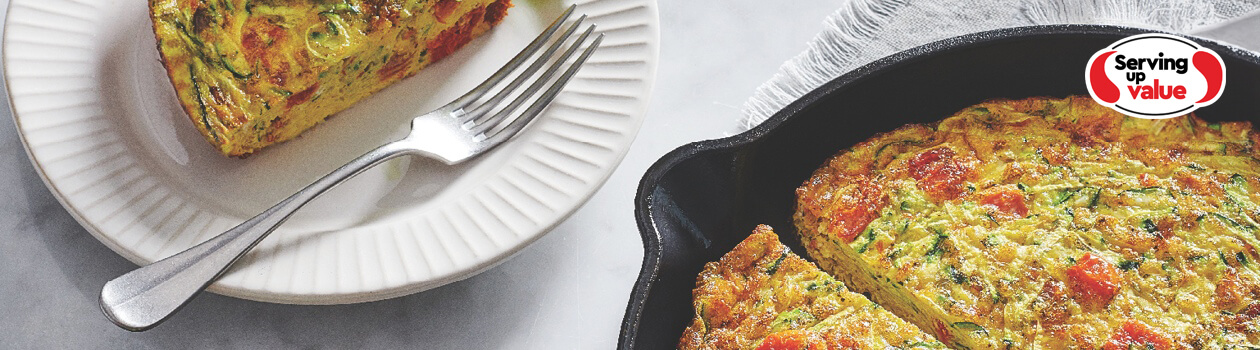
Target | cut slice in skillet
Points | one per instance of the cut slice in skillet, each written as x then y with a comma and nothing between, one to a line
762,296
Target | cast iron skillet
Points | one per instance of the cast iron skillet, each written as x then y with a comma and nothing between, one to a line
700,200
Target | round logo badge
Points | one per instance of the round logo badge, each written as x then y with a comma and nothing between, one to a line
1155,76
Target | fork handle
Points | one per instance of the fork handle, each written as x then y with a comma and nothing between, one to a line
146,296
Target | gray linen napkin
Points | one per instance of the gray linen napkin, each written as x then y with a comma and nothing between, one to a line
862,31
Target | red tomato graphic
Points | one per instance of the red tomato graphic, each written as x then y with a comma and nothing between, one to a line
1212,71
1103,87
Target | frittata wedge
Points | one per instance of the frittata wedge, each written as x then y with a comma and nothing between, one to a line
251,73
762,296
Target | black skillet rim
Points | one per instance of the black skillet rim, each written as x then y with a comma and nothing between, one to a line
642,209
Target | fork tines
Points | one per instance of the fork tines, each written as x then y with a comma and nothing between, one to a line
496,123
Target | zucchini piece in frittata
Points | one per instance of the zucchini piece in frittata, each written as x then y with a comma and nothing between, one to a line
251,73
1049,223
761,296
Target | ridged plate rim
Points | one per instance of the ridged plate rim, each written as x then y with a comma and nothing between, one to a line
631,47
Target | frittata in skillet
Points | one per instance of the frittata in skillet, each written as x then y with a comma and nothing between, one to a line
761,296
251,73
1049,223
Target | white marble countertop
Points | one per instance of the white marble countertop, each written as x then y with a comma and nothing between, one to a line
568,290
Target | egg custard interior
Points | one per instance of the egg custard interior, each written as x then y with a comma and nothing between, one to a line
1049,223
762,296
251,73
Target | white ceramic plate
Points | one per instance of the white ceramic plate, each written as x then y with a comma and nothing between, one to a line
101,124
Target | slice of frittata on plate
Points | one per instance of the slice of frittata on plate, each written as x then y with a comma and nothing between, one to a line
762,296
1049,223
251,73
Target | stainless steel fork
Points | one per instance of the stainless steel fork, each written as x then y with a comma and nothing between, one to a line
471,125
